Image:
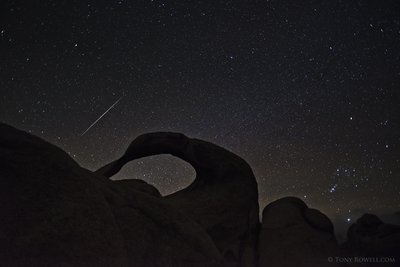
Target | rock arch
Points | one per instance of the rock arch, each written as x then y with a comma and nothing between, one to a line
223,198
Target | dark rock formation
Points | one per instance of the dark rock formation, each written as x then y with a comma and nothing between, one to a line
52,211
371,237
128,187
55,213
223,197
294,235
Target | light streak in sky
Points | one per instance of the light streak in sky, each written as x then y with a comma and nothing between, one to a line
102,115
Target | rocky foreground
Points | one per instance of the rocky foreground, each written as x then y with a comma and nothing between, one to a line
56,213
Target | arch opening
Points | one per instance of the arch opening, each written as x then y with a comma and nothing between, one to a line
167,173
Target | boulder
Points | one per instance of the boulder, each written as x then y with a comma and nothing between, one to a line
53,212
294,235
371,237
127,187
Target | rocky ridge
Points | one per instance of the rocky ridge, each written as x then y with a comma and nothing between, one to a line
56,213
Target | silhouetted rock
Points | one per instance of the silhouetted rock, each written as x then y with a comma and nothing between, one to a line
293,235
223,198
127,187
371,237
52,211
55,213
318,220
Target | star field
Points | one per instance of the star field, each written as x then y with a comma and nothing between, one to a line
307,93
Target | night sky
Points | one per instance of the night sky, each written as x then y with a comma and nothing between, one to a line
306,91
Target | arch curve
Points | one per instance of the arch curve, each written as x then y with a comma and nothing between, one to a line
223,194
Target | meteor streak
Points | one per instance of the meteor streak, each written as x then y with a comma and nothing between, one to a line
102,115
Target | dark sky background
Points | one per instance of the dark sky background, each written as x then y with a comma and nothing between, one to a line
306,91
